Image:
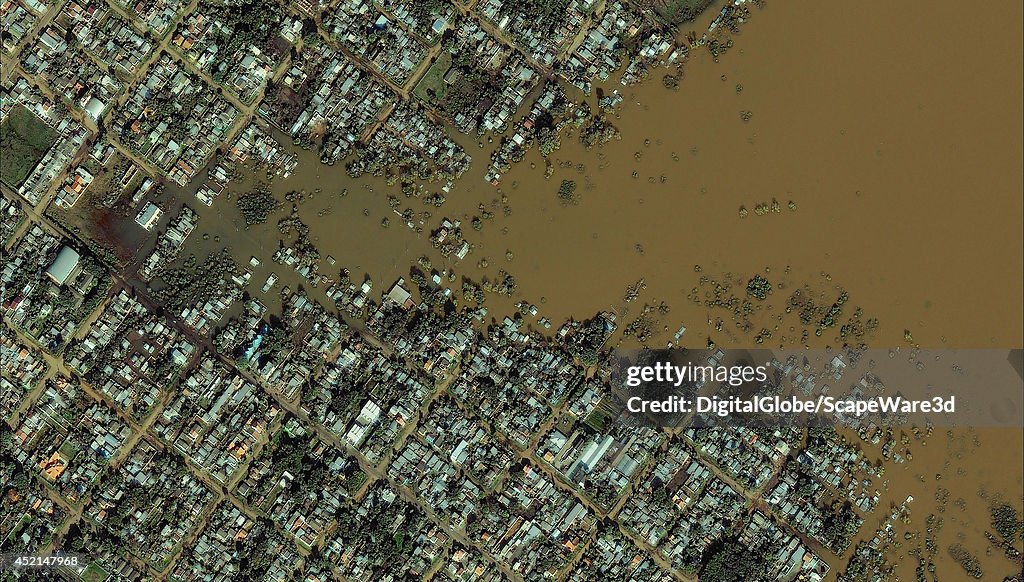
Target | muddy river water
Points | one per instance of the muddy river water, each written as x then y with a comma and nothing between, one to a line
894,128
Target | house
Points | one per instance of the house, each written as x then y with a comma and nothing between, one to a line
400,296
149,216
452,75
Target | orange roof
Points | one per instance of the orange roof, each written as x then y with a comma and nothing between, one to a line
54,466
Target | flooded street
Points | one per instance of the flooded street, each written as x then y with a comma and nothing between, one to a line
896,150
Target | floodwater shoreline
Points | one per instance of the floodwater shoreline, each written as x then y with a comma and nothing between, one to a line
901,154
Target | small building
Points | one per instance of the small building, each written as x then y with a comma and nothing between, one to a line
400,296
149,216
452,75
65,265
69,194
439,25
94,109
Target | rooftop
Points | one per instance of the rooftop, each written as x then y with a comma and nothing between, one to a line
63,266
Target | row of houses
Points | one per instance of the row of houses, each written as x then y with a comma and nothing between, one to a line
173,119
130,354
69,437
365,31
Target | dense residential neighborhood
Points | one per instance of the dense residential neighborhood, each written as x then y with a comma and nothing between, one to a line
171,419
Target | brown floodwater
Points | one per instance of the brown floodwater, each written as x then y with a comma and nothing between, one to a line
902,153
976,468
895,128
900,145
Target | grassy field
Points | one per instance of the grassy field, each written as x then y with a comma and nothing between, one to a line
93,573
68,450
23,141
433,79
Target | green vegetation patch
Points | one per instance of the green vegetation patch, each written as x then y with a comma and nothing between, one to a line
467,86
601,416
93,573
567,193
676,12
547,13
251,21
24,139
257,205
1007,523
432,88
68,450
728,560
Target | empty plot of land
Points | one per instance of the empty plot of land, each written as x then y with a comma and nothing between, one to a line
24,139
431,87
